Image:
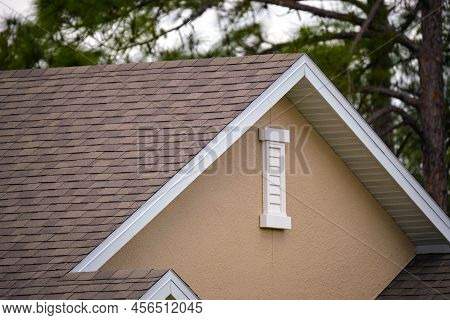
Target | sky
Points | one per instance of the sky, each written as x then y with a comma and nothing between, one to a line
21,6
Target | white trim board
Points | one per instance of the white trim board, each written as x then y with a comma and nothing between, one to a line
379,150
304,67
214,149
169,284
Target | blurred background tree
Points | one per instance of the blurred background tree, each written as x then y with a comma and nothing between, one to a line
387,57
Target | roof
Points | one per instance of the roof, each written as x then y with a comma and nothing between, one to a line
121,284
427,276
74,189
71,140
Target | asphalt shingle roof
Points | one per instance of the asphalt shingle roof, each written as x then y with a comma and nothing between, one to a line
121,284
82,148
427,276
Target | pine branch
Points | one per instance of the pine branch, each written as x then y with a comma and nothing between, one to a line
366,24
291,4
389,129
402,145
407,42
356,3
412,13
345,17
402,96
407,118
378,114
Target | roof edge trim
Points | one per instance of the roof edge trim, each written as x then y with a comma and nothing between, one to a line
303,67
183,178
170,284
377,147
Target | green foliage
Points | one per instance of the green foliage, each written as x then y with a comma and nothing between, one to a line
20,45
24,44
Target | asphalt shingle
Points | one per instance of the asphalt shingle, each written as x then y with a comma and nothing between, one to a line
130,284
82,148
427,276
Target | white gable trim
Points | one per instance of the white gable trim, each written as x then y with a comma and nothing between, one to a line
169,284
377,147
303,67
214,149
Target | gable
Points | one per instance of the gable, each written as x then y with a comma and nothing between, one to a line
210,233
289,81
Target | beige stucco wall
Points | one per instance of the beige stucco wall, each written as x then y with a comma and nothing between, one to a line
342,243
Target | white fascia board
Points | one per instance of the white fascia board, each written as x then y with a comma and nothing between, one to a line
169,284
377,147
303,67
214,149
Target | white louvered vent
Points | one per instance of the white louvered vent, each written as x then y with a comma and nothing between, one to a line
274,178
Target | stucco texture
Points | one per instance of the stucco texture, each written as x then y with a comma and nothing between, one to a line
342,244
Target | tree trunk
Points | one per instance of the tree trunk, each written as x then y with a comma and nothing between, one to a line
431,109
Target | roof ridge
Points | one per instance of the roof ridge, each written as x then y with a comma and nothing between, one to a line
36,72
